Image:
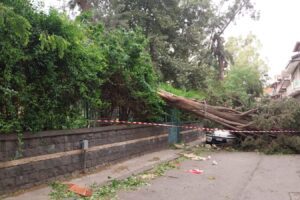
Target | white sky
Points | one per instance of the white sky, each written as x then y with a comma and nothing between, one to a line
277,29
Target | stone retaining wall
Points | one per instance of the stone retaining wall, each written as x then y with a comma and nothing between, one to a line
49,155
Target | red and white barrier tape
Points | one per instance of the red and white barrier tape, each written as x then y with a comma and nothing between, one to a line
193,127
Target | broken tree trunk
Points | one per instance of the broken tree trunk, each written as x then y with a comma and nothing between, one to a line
227,117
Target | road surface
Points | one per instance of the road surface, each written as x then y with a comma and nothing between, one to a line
237,176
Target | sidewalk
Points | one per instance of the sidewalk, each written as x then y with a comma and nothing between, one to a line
118,171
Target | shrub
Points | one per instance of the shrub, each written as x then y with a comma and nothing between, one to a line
282,144
53,68
279,114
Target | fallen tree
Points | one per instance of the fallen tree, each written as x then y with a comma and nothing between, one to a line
274,115
228,117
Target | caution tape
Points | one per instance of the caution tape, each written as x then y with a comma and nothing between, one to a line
193,127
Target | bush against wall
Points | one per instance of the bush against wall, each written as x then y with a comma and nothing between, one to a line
131,81
50,66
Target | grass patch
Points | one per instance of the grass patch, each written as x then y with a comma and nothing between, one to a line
161,169
109,191
60,191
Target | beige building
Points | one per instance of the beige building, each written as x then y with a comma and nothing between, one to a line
287,84
293,68
280,85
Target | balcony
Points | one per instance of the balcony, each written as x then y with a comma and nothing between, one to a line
294,88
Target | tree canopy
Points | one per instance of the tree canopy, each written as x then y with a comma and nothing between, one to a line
58,73
245,77
185,37
51,67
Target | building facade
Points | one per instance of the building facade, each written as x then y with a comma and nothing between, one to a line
287,84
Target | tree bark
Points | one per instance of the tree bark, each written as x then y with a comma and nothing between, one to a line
227,117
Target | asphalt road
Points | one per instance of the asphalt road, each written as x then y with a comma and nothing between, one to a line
237,176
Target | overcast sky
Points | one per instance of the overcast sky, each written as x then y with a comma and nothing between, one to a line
278,30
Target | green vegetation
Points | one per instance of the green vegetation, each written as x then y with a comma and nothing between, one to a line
282,144
280,114
60,191
58,73
185,37
244,80
131,83
110,191
53,69
275,115
161,169
44,79
193,94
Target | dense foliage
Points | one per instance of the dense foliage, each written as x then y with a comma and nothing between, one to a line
131,78
283,144
185,37
244,80
275,115
57,73
52,67
279,114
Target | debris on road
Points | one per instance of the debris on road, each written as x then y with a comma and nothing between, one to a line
214,162
177,164
199,158
148,176
193,156
179,146
82,191
195,171
172,177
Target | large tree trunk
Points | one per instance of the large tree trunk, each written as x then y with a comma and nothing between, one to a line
227,117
